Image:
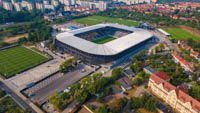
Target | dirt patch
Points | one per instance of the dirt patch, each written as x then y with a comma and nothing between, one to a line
15,38
191,30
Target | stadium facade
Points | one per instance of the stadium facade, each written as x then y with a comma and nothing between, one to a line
77,43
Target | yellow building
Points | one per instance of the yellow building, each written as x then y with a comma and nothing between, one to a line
177,99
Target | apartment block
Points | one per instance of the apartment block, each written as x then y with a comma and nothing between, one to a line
176,98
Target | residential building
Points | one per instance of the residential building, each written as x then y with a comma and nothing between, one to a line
50,16
61,1
46,2
185,64
126,84
49,7
195,54
176,98
130,74
102,5
40,6
73,2
7,5
154,1
149,70
67,2
1,2
55,3
17,6
28,5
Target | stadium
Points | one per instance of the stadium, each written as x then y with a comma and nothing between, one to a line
102,43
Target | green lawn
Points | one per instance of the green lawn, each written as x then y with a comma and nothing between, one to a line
180,34
8,105
92,20
18,59
104,40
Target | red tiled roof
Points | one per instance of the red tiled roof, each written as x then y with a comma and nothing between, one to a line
163,75
188,48
159,80
186,98
183,61
194,53
180,94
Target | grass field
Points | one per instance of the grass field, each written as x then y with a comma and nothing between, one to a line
180,34
104,40
92,20
17,59
8,105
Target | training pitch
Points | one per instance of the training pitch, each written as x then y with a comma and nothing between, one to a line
92,20
180,34
17,59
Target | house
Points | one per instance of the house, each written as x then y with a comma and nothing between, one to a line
185,64
195,54
50,16
149,70
126,84
176,98
65,14
189,48
129,73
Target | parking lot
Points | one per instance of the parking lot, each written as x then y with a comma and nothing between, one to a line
56,83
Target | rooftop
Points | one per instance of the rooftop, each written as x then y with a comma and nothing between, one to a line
110,48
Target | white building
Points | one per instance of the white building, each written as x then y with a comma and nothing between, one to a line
129,2
67,2
17,6
7,5
73,2
55,3
28,5
40,6
102,5
49,7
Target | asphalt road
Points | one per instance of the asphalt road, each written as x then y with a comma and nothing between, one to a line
42,95
19,101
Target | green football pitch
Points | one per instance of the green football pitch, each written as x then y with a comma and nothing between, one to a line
181,34
18,59
104,40
92,20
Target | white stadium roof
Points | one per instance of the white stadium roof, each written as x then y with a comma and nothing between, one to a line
110,48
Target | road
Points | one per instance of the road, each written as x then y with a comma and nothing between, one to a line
19,101
42,94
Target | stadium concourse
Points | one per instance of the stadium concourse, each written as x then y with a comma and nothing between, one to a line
81,42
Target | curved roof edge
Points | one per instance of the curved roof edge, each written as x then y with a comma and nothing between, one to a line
110,48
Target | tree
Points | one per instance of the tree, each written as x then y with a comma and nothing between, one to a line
52,47
198,82
117,105
138,81
194,92
151,104
194,77
2,44
81,95
65,66
116,74
135,103
2,93
104,109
